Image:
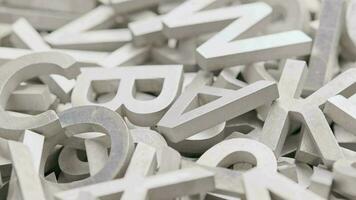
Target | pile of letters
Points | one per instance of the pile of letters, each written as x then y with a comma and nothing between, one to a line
177,99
